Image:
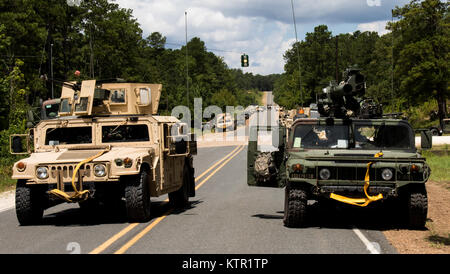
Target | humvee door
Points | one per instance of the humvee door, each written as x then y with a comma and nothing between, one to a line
265,156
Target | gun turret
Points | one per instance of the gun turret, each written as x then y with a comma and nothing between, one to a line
103,97
346,98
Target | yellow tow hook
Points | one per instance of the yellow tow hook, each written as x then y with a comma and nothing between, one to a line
79,195
361,201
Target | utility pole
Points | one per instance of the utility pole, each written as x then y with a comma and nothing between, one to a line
337,59
187,63
392,58
298,53
51,68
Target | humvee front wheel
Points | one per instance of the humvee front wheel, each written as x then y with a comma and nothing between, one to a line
180,198
137,197
295,202
29,206
417,202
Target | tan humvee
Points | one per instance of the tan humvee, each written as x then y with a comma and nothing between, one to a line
106,145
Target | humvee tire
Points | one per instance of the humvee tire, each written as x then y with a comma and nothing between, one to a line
180,198
295,202
29,206
417,206
137,197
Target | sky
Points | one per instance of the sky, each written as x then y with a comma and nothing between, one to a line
263,29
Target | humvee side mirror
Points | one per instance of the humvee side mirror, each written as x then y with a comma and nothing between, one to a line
19,144
426,139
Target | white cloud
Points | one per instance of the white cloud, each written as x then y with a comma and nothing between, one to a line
378,26
261,28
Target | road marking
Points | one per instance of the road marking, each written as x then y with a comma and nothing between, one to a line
214,172
366,242
141,234
213,166
114,238
130,227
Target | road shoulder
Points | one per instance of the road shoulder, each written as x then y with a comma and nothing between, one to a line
435,239
7,200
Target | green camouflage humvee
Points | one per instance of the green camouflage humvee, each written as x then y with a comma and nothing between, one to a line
353,160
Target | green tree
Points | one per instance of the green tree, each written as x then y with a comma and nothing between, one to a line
423,61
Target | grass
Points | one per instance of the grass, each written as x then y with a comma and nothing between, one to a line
6,183
439,161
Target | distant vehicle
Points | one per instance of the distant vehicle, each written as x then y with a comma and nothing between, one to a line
225,122
300,114
50,109
438,131
314,111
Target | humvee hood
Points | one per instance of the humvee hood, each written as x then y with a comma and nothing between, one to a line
75,156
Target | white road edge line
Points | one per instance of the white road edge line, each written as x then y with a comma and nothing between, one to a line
366,242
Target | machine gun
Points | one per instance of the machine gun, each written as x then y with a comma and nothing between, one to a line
345,99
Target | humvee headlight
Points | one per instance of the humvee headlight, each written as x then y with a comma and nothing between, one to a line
324,174
100,170
386,174
42,172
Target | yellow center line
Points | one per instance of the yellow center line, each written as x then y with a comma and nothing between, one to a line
222,165
216,164
130,227
141,234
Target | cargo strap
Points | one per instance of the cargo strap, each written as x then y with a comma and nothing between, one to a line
79,195
361,201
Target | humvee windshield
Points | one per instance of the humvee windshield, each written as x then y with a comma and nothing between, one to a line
51,111
133,133
315,136
68,136
357,136
382,136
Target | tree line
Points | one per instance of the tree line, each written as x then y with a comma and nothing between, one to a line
405,69
104,41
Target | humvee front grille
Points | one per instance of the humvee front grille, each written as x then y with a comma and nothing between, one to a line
353,173
67,170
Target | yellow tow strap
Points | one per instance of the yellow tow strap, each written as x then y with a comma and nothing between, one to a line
360,201
78,195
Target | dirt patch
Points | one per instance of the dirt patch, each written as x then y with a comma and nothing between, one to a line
436,238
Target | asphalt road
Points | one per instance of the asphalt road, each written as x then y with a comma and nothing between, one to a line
226,216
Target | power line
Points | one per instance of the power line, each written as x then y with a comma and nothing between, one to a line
208,49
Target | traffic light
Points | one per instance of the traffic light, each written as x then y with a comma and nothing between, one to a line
244,60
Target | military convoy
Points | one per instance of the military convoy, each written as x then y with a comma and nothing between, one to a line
351,154
104,144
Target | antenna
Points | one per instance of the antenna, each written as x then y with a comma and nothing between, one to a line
298,53
392,58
